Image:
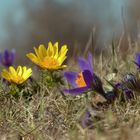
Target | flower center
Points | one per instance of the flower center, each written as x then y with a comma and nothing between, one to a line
50,62
80,80
17,79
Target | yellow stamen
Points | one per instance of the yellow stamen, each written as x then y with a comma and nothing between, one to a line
80,80
50,63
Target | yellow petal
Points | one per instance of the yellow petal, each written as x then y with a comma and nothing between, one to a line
61,60
5,74
37,53
33,58
63,51
19,71
56,50
62,67
18,76
26,73
42,51
12,71
50,50
62,54
58,67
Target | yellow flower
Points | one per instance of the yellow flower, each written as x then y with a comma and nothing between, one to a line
49,58
17,76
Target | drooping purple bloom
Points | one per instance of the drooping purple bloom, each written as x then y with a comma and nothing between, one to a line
120,90
7,58
137,60
84,80
86,64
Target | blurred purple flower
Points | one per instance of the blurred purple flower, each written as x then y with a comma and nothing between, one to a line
7,58
84,80
119,86
132,81
90,116
137,59
129,77
127,93
86,120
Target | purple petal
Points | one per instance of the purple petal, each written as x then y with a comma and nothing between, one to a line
71,77
8,58
137,59
84,64
86,119
76,91
129,94
0,58
13,54
6,54
119,85
88,77
90,60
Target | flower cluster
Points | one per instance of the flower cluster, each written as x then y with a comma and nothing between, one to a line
51,60
46,58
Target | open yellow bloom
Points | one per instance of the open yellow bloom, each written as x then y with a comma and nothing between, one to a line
49,58
17,76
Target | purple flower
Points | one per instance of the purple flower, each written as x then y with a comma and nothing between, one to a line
137,59
86,64
127,93
86,120
119,86
7,58
129,77
85,79
131,81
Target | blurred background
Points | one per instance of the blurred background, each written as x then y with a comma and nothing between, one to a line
28,23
